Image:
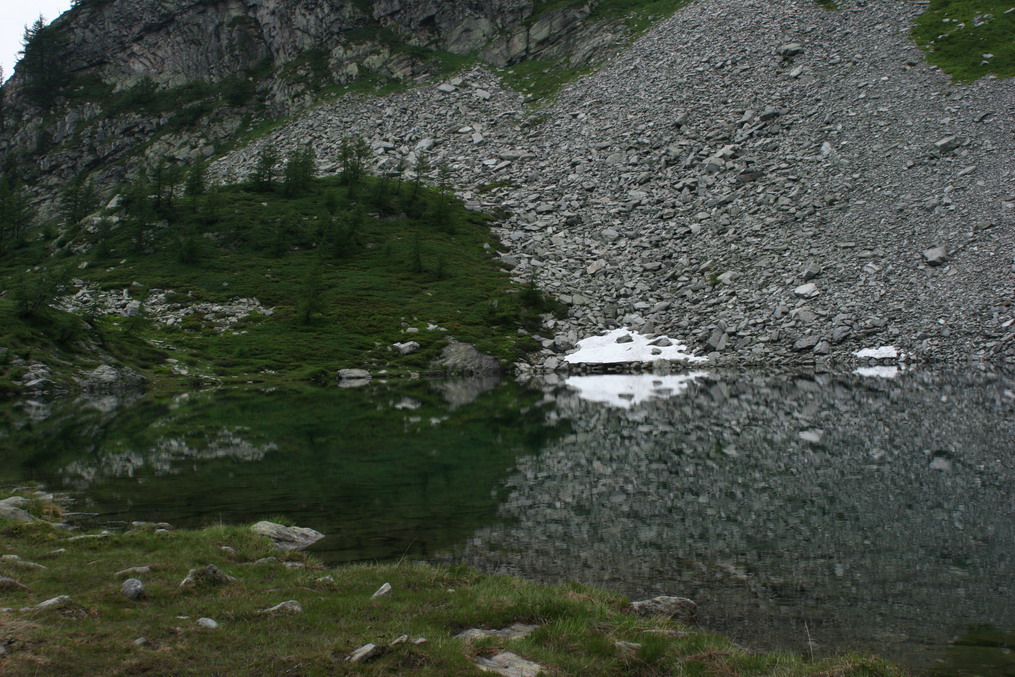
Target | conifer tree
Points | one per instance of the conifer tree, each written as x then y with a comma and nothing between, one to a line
43,64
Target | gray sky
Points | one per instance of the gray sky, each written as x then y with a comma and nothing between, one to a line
14,15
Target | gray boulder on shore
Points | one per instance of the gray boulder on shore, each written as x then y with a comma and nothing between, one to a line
287,538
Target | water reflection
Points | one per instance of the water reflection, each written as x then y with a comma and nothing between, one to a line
859,511
865,513
383,471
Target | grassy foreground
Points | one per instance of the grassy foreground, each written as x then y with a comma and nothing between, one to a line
95,632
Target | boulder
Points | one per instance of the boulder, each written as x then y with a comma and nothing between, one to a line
463,359
13,513
109,380
133,588
287,538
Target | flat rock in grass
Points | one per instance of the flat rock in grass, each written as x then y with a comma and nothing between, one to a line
134,571
365,653
382,591
133,588
11,585
13,513
509,665
54,603
210,575
16,502
208,623
678,608
287,538
290,606
513,631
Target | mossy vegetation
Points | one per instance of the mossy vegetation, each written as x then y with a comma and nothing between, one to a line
968,38
97,630
347,265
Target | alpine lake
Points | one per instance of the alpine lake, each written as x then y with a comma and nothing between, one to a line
814,513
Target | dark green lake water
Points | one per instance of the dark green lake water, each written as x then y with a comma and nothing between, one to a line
802,512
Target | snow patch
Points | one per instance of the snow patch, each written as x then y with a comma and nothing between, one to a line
879,353
640,348
627,390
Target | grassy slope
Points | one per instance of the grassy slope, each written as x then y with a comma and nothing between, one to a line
956,34
277,249
94,633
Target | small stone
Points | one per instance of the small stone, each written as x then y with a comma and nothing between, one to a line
935,256
290,606
146,643
133,588
948,144
364,653
406,348
54,602
806,291
132,571
626,338
790,49
382,591
509,665
806,343
402,639
207,623
11,585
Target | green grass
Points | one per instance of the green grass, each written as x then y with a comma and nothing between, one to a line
94,633
405,266
955,34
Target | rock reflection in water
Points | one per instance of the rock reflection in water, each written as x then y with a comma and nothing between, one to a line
878,512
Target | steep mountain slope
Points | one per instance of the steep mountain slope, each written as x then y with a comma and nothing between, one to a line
768,179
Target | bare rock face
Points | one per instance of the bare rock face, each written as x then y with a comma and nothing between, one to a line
464,360
109,380
287,538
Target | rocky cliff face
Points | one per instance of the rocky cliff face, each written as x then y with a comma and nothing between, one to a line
272,55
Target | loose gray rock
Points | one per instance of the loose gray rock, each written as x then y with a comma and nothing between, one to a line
11,585
365,653
14,514
509,665
134,589
935,256
290,606
406,348
131,571
287,538
208,623
382,591
54,603
679,609
806,291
